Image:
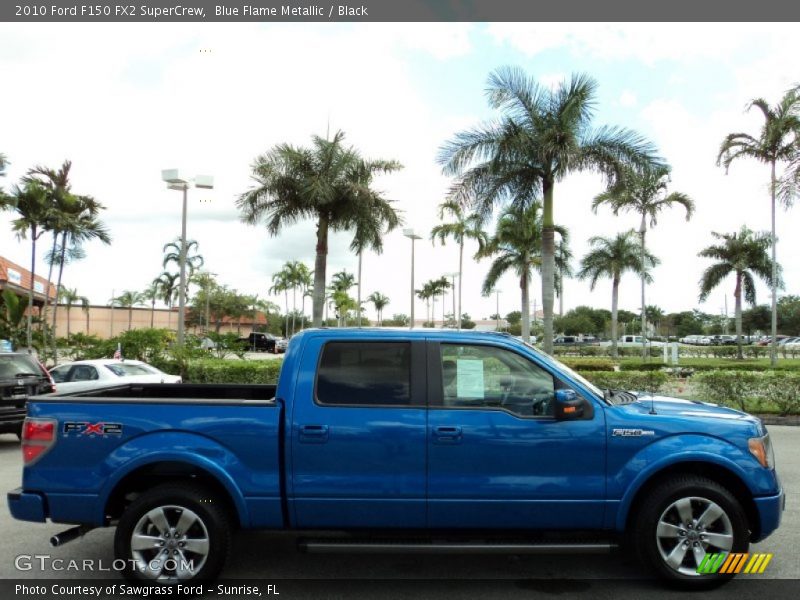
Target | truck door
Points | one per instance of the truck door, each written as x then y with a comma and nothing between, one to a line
358,435
497,458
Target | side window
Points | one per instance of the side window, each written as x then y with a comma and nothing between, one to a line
83,373
59,374
490,377
365,374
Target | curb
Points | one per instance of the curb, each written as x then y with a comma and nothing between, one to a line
779,420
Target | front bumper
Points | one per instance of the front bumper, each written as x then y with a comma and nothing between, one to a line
770,511
26,506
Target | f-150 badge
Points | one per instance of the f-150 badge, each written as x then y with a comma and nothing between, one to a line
632,432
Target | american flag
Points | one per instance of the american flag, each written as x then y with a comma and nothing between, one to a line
118,352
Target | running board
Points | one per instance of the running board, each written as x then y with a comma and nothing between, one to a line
334,546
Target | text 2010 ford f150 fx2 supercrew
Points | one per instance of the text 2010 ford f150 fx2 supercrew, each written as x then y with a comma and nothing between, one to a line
386,440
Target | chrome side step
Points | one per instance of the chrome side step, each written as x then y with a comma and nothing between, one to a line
334,546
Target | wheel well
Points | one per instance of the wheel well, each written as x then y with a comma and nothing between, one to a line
148,476
720,475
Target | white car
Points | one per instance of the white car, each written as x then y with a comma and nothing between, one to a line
85,375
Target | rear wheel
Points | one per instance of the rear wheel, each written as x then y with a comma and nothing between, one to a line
173,534
682,521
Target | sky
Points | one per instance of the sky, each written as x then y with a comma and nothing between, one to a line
124,101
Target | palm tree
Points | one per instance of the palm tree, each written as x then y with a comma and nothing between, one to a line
776,142
282,283
743,254
611,257
327,182
543,136
380,301
426,293
297,275
342,281
31,205
151,293
172,253
70,297
654,315
517,246
644,192
463,227
563,268
3,163
167,284
128,299
304,280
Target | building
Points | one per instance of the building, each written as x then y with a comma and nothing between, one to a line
17,278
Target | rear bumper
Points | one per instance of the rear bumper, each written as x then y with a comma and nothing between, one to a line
26,506
770,511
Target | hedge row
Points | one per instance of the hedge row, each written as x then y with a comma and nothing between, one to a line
639,381
735,388
684,351
708,364
214,370
587,364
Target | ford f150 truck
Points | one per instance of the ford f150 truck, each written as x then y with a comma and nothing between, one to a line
377,441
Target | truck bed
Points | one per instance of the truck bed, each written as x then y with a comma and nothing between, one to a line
203,393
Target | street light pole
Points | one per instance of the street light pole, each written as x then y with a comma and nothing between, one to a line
176,181
497,311
359,287
453,282
182,290
410,234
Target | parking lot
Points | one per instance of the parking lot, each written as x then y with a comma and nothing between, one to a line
273,558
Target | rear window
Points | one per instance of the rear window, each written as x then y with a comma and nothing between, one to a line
126,370
365,374
12,365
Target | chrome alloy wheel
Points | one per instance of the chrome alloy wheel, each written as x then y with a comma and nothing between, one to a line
169,544
690,528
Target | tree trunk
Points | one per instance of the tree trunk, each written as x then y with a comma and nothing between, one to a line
614,303
526,308
737,295
773,346
69,309
58,291
642,232
286,302
294,308
460,277
548,263
30,290
319,271
130,317
47,294
87,322
152,312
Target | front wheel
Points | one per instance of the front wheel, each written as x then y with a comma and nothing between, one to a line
173,533
683,521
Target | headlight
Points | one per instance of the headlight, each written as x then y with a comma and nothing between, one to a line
761,448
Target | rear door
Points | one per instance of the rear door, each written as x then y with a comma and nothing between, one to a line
358,434
496,456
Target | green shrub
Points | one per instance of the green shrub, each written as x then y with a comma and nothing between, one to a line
645,381
233,371
638,365
738,388
588,364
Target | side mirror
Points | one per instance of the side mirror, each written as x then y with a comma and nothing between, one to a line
568,405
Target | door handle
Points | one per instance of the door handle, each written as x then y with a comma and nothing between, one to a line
447,433
314,433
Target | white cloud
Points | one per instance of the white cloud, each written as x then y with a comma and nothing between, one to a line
628,99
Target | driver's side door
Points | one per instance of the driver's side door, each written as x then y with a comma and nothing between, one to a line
497,458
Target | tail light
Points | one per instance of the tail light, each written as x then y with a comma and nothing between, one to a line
50,377
38,436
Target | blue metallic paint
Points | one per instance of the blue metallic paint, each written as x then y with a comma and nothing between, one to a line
581,476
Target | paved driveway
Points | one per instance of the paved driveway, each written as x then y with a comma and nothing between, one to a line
274,558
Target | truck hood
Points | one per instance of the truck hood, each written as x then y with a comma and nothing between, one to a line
667,406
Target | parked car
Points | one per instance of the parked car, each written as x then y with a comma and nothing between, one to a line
6,346
393,440
281,344
632,341
260,342
21,376
93,374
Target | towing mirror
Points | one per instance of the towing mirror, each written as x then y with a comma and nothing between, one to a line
568,405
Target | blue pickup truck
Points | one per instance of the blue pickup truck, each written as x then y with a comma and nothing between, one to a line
387,441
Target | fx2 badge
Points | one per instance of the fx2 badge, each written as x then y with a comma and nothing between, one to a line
92,429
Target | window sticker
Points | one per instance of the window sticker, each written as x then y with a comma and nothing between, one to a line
469,373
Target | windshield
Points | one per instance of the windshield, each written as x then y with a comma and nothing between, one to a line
565,369
12,365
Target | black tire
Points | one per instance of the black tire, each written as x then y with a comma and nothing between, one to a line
213,524
660,503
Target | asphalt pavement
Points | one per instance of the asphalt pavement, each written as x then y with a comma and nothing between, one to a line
273,559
